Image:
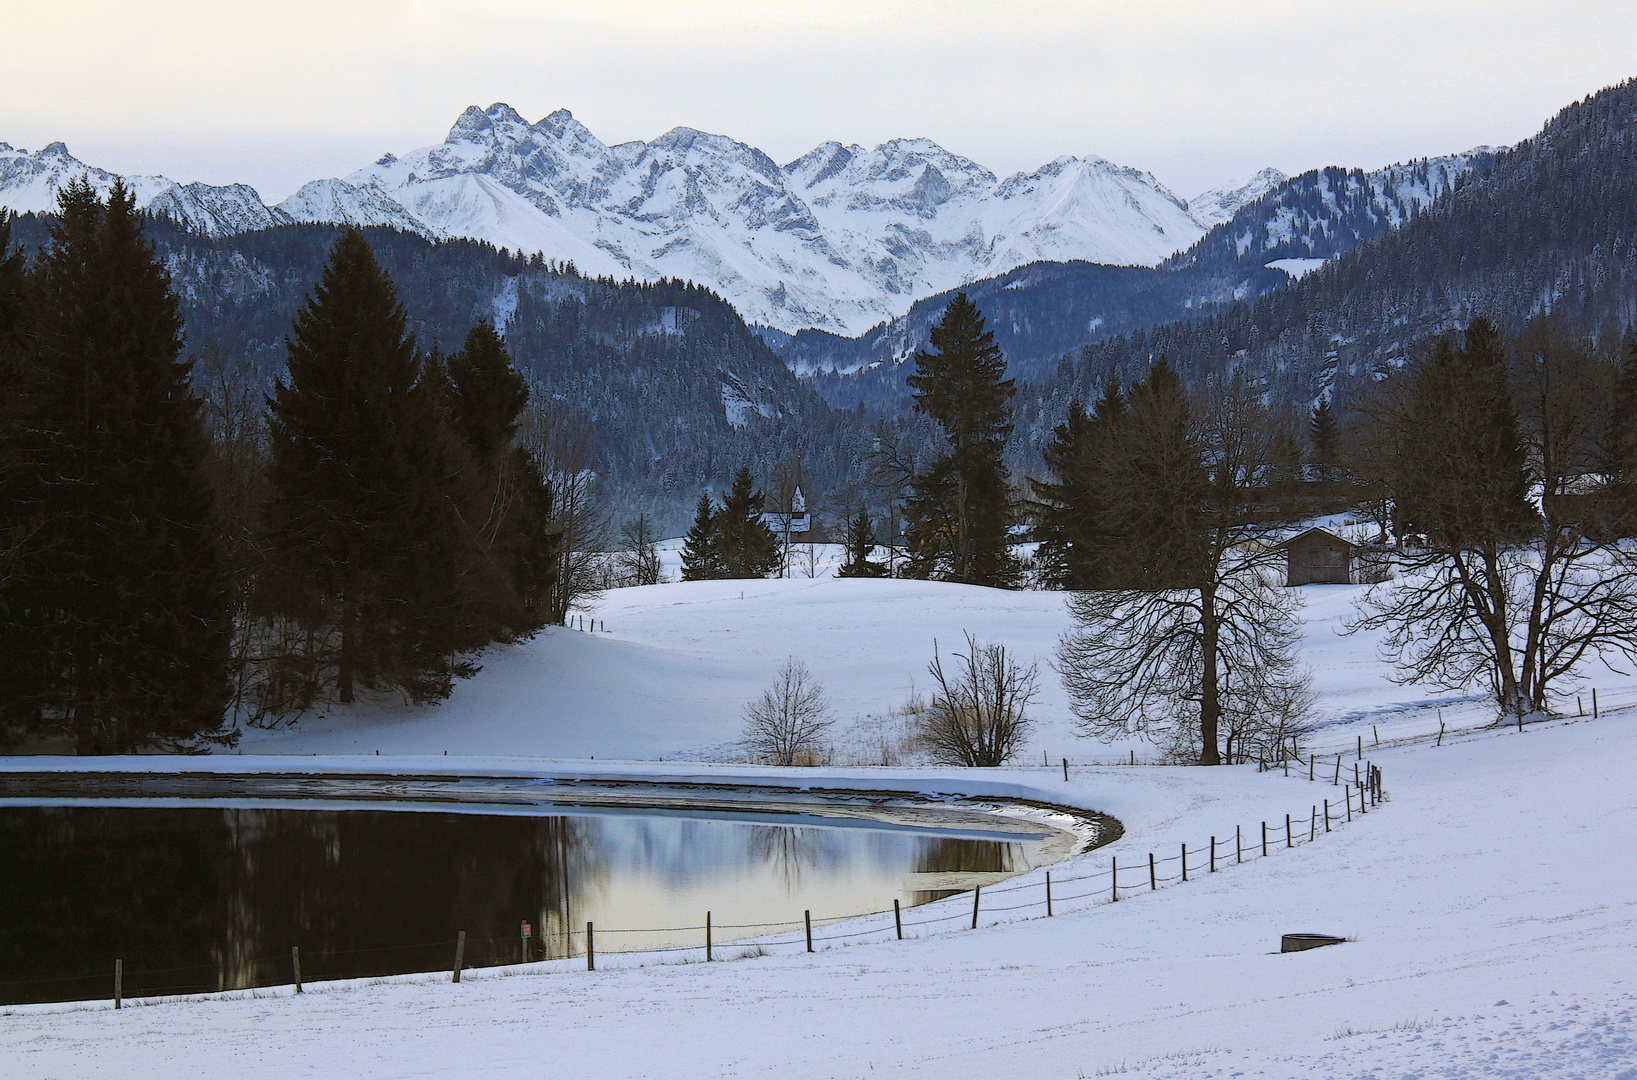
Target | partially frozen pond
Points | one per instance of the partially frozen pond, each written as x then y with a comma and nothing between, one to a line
205,883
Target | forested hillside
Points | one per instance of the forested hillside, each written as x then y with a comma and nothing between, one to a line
674,391
1552,228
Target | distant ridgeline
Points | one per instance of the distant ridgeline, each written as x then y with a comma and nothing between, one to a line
676,390
1550,228
1044,311
1318,287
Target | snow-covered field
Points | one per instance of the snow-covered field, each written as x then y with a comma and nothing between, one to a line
1491,902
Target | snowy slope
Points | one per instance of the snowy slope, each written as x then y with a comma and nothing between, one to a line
1487,905
840,238
29,184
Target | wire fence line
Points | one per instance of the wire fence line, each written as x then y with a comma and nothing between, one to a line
1112,883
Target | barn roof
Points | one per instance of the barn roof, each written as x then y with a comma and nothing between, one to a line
1316,534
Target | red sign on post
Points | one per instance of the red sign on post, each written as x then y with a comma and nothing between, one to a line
528,931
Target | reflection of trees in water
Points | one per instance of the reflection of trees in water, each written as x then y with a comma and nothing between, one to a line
79,887
945,855
225,893
791,853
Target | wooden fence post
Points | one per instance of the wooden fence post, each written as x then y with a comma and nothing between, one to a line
707,936
590,948
1113,879
119,983
977,891
1361,748
295,964
1213,854
1184,862
460,955
1238,846
1594,703
1336,780
1347,793
1310,760
1048,894
1264,839
897,919
807,916
1288,841
1065,770
1327,815
1153,880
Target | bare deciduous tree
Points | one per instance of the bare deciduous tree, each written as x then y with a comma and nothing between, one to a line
978,714
1518,611
638,562
560,444
790,718
1194,661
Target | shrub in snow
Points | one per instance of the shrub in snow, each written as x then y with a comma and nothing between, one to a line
787,724
977,713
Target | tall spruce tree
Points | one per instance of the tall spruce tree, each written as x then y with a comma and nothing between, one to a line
361,522
745,546
701,560
117,624
504,502
960,511
1155,488
1323,440
1464,471
1618,449
1074,528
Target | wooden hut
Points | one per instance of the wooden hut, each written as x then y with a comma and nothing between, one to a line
1318,557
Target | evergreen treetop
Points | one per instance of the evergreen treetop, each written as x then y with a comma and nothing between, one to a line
360,515
746,547
700,558
117,619
860,543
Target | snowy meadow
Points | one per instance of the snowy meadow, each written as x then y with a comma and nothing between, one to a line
1485,938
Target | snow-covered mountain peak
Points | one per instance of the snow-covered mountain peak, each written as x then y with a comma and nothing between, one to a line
499,123
1220,204
29,183
841,238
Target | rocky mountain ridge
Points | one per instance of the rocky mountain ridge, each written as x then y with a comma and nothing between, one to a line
842,238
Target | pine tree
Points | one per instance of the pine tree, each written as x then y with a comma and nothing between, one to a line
860,542
505,504
117,617
959,514
1075,542
745,546
1323,440
1156,488
701,561
1619,446
361,522
1464,477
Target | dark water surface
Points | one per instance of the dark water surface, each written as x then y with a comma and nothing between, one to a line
203,898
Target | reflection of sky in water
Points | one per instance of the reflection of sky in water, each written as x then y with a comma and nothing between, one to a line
221,893
650,872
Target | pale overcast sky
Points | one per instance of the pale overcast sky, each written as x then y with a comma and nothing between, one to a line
274,94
